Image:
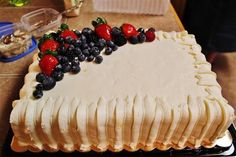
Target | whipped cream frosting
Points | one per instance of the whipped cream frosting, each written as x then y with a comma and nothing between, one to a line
160,95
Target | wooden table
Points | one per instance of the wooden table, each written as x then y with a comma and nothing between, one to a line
12,74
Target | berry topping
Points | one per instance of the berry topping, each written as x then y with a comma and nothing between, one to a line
48,83
57,75
81,58
90,58
120,40
66,67
94,51
141,37
98,59
114,48
141,30
40,77
102,29
150,36
108,51
133,40
47,64
115,31
38,94
129,30
49,44
68,33
39,86
75,69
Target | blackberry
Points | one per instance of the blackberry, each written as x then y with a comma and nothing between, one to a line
58,75
90,58
133,40
141,37
108,51
37,93
98,59
48,83
40,77
120,40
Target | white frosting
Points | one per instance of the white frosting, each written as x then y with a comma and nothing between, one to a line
154,95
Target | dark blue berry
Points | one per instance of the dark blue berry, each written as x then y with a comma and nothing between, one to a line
40,77
110,44
120,40
38,94
86,52
115,48
141,37
60,39
62,59
87,31
48,83
71,48
66,67
81,57
78,33
108,51
133,40
91,44
75,61
61,50
83,39
58,75
58,68
115,31
141,30
90,58
77,51
75,69
39,86
101,40
94,51
152,29
84,46
98,59
77,43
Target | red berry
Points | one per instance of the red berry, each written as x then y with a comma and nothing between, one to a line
129,30
103,31
150,36
67,33
48,63
49,44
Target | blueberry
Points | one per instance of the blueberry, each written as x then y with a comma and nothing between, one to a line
101,40
108,51
81,57
98,59
94,51
133,40
40,77
77,43
77,51
84,46
115,48
75,61
87,31
83,39
60,39
78,33
48,83
61,50
110,44
86,52
71,48
90,58
39,86
38,94
101,44
91,44
75,69
58,68
115,31
66,67
62,59
68,40
120,40
58,75
141,37
141,30
152,29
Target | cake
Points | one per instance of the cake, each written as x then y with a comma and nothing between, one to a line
158,94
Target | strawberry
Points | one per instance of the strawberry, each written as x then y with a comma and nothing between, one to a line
129,30
150,36
49,44
66,33
102,29
48,63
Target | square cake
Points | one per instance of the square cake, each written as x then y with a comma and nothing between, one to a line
157,94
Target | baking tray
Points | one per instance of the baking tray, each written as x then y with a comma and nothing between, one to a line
223,148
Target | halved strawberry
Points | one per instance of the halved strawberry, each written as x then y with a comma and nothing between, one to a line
129,30
102,29
67,33
48,63
49,44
